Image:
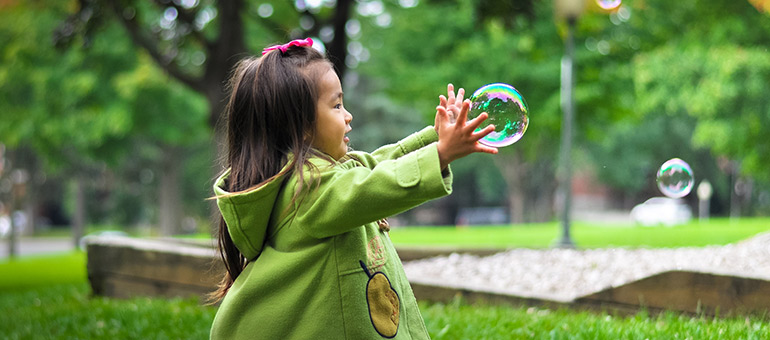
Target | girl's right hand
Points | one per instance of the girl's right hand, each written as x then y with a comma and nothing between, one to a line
456,138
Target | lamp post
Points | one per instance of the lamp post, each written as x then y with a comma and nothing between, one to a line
569,10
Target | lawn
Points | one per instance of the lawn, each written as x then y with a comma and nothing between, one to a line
49,298
34,271
713,232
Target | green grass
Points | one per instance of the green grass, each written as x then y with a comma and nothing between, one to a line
34,271
47,297
67,311
458,320
585,235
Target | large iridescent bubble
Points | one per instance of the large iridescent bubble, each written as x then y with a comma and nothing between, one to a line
507,110
608,4
675,178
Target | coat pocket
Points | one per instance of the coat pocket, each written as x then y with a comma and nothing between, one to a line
408,170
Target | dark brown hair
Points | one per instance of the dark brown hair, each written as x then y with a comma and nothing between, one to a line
270,114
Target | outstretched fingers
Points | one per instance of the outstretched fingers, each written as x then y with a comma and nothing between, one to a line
463,116
483,132
485,149
476,122
442,116
477,135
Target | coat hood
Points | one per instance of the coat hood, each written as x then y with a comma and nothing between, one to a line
247,214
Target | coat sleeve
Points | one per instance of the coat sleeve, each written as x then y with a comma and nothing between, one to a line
347,198
411,143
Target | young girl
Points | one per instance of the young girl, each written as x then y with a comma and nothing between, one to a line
303,234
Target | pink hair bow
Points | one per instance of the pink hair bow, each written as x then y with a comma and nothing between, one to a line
307,42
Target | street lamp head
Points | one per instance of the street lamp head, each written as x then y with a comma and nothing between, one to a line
569,9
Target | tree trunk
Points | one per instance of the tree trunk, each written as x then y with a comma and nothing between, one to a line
31,198
541,187
338,49
79,215
513,171
170,208
13,240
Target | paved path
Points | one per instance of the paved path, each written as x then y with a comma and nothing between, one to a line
37,246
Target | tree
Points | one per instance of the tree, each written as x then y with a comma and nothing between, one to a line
715,73
97,110
198,42
456,42
56,103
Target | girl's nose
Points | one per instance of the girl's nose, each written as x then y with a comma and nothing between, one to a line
348,117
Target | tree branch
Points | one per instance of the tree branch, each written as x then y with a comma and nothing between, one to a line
188,18
132,27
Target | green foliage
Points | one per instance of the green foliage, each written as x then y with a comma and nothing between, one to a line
422,59
60,102
164,111
585,235
436,43
100,110
724,87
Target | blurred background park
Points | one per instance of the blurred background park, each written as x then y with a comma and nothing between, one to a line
110,110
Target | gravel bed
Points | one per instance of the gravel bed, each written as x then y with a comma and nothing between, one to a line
565,274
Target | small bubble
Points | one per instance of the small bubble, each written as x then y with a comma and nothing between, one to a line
675,178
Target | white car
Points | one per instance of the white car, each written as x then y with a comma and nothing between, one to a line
661,210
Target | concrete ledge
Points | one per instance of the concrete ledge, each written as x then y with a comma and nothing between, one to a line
127,267
407,253
689,292
441,293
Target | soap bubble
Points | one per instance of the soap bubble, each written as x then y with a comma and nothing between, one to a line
507,110
608,4
675,178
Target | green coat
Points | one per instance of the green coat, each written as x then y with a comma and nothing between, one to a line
320,267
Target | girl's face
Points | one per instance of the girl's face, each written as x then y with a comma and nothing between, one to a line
332,120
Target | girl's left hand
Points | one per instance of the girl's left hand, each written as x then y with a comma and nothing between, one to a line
452,104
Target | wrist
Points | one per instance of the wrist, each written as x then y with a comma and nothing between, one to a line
443,158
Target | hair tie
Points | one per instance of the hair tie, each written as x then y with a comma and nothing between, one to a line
307,42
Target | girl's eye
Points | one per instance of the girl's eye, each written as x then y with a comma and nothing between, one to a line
338,106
